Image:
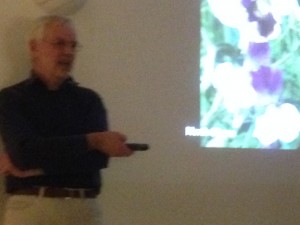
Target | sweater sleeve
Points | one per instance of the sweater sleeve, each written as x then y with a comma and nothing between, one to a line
89,160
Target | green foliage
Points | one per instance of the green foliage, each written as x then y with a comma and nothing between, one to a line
285,52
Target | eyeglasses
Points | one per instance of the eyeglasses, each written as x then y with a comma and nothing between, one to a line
75,46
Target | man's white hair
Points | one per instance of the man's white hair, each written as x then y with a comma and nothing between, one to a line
41,24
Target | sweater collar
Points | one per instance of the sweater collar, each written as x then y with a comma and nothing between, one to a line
38,83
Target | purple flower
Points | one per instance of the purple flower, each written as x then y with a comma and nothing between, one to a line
259,51
267,80
266,21
247,3
266,25
251,8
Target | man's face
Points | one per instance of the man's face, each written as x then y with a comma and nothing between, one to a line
54,54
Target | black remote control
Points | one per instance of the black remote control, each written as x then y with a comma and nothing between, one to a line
138,146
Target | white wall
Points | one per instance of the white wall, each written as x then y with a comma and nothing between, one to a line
142,57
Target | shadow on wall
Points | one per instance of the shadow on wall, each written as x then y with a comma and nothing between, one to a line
2,189
16,52
15,49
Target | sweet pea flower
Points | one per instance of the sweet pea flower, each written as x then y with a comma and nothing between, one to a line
266,25
263,24
259,53
235,16
283,8
277,124
234,85
250,5
266,80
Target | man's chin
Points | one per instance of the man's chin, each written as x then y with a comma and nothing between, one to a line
64,72
62,75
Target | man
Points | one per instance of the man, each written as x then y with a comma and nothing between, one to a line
56,136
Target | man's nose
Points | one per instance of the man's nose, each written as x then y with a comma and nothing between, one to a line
70,48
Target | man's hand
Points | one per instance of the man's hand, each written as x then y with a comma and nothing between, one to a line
110,143
9,169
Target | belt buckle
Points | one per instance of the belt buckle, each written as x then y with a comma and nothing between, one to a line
42,191
75,193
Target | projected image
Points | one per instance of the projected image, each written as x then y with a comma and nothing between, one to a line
249,74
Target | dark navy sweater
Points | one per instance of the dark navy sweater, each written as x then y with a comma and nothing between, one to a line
46,129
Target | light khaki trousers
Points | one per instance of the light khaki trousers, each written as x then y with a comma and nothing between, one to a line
36,210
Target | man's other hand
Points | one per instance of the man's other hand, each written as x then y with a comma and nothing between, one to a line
7,168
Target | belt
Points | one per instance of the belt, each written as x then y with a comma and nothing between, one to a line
55,192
